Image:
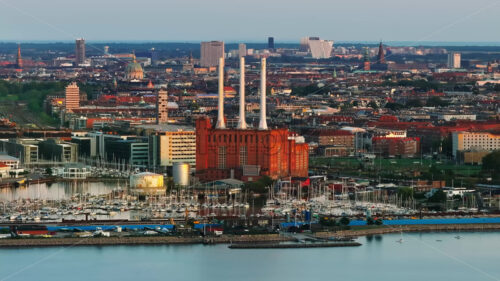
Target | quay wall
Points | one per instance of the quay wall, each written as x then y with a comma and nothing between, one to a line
142,240
386,229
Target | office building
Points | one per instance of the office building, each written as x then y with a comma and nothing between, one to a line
24,149
98,141
154,57
304,43
84,144
211,52
454,60
79,51
320,49
134,152
169,144
270,43
58,151
474,141
242,49
72,97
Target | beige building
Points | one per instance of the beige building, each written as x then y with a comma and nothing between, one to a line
474,141
471,157
169,144
72,97
211,52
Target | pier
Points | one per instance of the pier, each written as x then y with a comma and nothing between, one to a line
292,246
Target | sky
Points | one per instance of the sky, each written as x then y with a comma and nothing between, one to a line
250,20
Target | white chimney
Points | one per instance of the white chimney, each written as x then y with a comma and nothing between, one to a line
220,118
242,124
263,121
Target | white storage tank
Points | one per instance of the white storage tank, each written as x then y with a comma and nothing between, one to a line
181,174
146,182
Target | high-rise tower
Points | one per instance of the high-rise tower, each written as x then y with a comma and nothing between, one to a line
72,97
454,60
80,51
161,107
270,43
366,60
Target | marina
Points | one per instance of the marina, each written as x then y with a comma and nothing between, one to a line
114,200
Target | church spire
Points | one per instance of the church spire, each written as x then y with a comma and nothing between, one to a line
19,60
381,55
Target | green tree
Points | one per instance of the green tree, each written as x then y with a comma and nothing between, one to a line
405,192
414,103
344,221
394,106
438,197
436,102
370,221
260,185
373,105
491,164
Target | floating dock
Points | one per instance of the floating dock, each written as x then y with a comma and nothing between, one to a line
292,246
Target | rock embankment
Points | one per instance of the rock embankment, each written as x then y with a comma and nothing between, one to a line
142,240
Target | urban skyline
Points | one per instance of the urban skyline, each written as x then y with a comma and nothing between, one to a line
369,129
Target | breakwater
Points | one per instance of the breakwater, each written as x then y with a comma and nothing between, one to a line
142,240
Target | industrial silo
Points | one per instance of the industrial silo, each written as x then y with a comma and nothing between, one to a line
181,174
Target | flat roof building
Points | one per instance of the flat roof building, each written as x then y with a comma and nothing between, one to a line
79,51
211,52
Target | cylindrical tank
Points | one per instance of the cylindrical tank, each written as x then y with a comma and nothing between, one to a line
181,174
146,181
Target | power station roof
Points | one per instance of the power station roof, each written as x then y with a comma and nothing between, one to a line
167,128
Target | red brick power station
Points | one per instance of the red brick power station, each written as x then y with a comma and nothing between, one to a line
244,153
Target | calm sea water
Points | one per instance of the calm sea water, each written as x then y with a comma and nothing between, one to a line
60,190
476,256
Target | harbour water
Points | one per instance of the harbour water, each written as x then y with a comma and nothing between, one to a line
61,190
420,256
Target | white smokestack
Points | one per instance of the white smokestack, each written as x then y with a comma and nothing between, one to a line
242,124
220,118
263,121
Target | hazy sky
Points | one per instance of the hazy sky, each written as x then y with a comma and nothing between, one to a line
250,20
